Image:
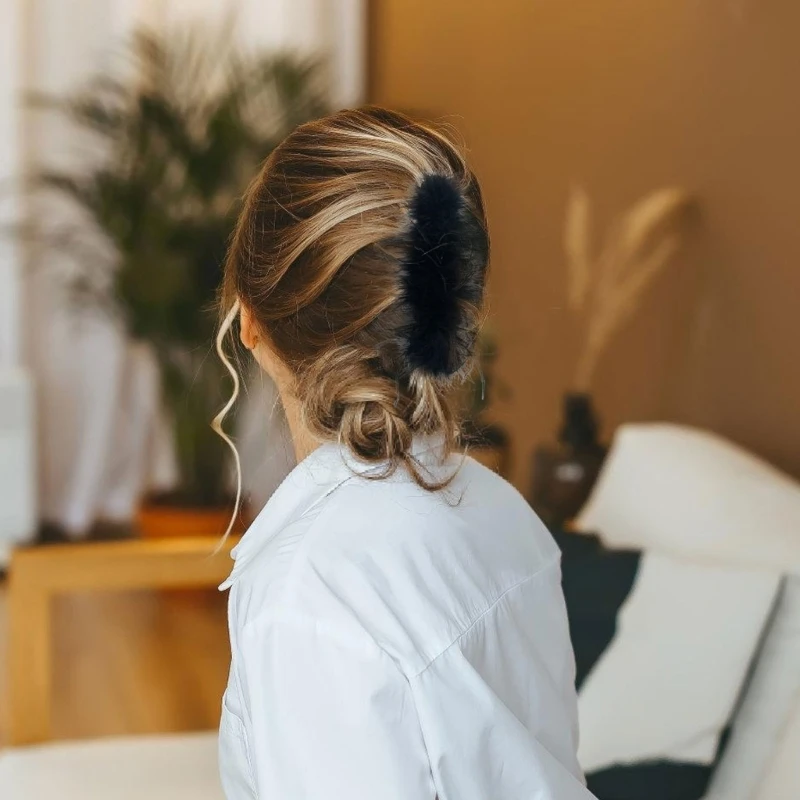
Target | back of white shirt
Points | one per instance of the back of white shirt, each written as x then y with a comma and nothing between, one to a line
390,642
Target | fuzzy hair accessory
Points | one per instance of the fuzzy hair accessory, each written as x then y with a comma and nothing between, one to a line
443,277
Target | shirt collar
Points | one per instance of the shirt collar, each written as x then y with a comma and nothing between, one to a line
310,483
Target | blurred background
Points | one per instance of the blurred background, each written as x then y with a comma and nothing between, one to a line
638,379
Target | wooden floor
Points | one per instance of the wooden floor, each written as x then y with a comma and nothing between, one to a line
135,662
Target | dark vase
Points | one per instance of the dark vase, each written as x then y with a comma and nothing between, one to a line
563,475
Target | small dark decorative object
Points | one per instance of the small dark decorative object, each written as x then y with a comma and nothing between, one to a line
580,428
486,441
564,475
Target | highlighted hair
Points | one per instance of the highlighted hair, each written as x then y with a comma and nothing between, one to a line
361,254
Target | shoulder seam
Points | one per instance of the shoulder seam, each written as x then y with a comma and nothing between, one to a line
280,614
549,565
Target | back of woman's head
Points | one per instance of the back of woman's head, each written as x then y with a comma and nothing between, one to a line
361,256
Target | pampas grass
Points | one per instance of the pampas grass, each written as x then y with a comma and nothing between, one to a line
608,289
577,245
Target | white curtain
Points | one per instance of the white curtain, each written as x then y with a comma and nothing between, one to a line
101,438
17,472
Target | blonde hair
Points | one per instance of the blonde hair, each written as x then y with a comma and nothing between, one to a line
318,258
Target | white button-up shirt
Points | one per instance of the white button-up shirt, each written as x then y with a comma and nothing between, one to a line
391,643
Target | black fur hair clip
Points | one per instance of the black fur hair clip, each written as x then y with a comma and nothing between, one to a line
443,272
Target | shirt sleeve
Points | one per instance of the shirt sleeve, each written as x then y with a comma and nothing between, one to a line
498,707
327,717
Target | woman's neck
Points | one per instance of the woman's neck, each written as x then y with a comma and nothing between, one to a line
302,439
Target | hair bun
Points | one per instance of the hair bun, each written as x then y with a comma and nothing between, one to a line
443,275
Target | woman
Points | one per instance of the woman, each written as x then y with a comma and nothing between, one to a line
397,625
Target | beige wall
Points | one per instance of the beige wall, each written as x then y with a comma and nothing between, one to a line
626,96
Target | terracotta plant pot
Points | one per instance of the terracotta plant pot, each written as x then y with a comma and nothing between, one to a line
157,521
492,457
163,521
488,444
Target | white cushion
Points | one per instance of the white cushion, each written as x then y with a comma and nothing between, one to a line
181,767
666,686
782,781
761,722
677,490
681,490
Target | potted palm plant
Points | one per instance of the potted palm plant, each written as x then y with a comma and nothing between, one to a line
178,135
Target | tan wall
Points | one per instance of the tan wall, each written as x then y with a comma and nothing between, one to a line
626,96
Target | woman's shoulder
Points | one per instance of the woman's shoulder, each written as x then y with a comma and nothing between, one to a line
409,568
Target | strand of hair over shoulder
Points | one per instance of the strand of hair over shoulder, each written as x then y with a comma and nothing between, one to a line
216,423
